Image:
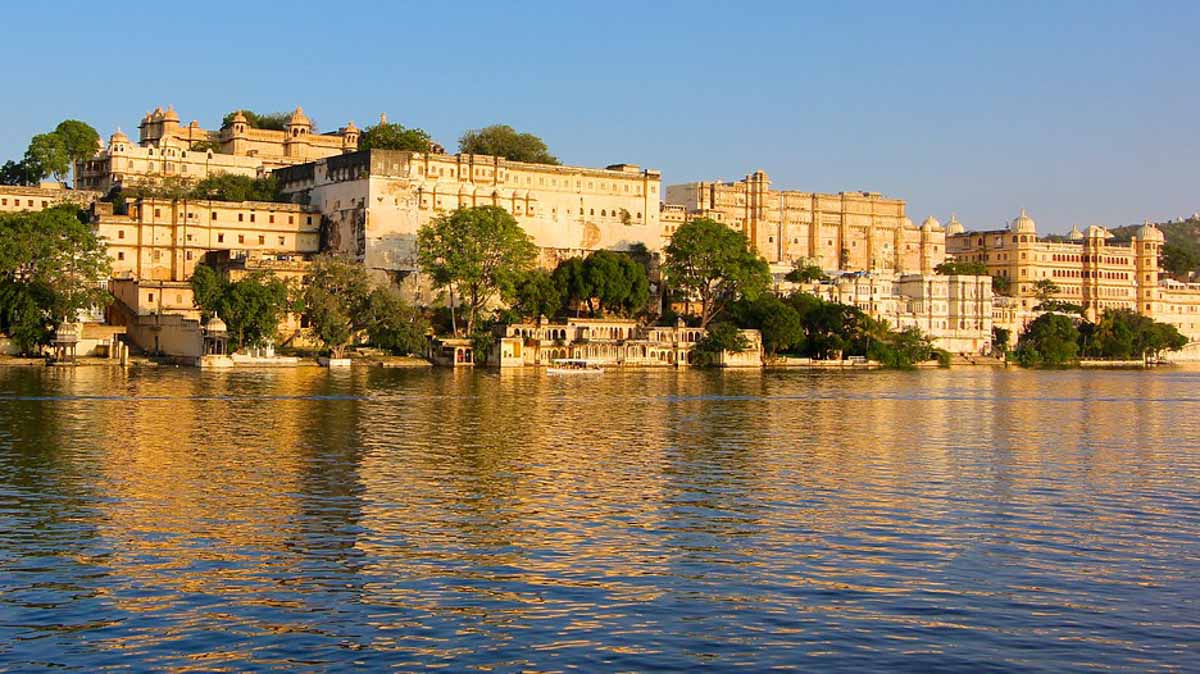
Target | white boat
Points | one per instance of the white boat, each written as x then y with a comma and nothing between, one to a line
574,366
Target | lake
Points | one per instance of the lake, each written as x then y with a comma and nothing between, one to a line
964,520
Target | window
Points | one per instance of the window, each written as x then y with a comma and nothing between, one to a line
291,219
120,255
220,238
189,255
262,240
282,240
241,238
251,217
241,217
157,212
214,215
121,234
150,297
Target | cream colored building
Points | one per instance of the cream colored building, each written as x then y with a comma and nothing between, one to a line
375,201
613,342
164,240
848,231
956,312
16,198
1089,269
166,148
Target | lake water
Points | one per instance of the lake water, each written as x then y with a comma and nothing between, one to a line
966,520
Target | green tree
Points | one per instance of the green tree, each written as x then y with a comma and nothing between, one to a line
393,324
536,293
1179,261
1000,338
805,274
230,187
1050,340
390,136
1045,290
476,253
335,301
18,173
52,267
501,140
1001,285
250,307
781,325
712,263
961,268
573,282
47,156
618,284
719,337
79,138
274,121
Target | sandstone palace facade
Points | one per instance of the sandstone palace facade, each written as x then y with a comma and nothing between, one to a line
847,231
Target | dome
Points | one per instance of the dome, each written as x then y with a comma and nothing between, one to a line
930,224
1075,234
1023,224
215,325
118,137
1148,232
906,223
170,115
954,226
298,118
350,127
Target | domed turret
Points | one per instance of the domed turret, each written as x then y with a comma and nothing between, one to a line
298,118
170,115
1023,224
954,226
215,326
1148,232
1075,234
907,224
238,116
930,224
118,141
158,115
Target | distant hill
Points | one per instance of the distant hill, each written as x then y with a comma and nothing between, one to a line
1181,254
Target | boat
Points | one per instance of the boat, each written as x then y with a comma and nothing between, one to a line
574,366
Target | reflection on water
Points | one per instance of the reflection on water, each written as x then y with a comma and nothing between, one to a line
931,521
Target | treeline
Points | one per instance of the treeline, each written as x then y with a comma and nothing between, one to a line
1055,339
218,187
52,268
52,154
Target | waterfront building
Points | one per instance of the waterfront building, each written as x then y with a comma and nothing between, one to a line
163,239
613,341
848,231
1089,268
16,198
167,148
956,312
374,202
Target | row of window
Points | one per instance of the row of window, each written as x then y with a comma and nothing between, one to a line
28,202
615,187
241,217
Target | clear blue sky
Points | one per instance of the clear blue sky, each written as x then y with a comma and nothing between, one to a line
1079,111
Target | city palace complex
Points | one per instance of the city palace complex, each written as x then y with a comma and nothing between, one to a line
370,204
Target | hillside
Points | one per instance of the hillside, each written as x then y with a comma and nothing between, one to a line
1181,254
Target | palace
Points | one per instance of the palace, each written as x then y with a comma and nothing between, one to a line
954,311
849,231
375,201
1089,269
165,148
15,198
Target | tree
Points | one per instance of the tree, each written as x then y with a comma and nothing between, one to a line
1050,340
475,253
805,274
721,336
390,136
1123,334
961,268
536,293
712,263
572,280
393,324
1001,285
335,301
781,325
80,139
501,140
52,267
250,307
230,187
1045,290
47,156
1179,261
1000,338
18,173
275,121
618,284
